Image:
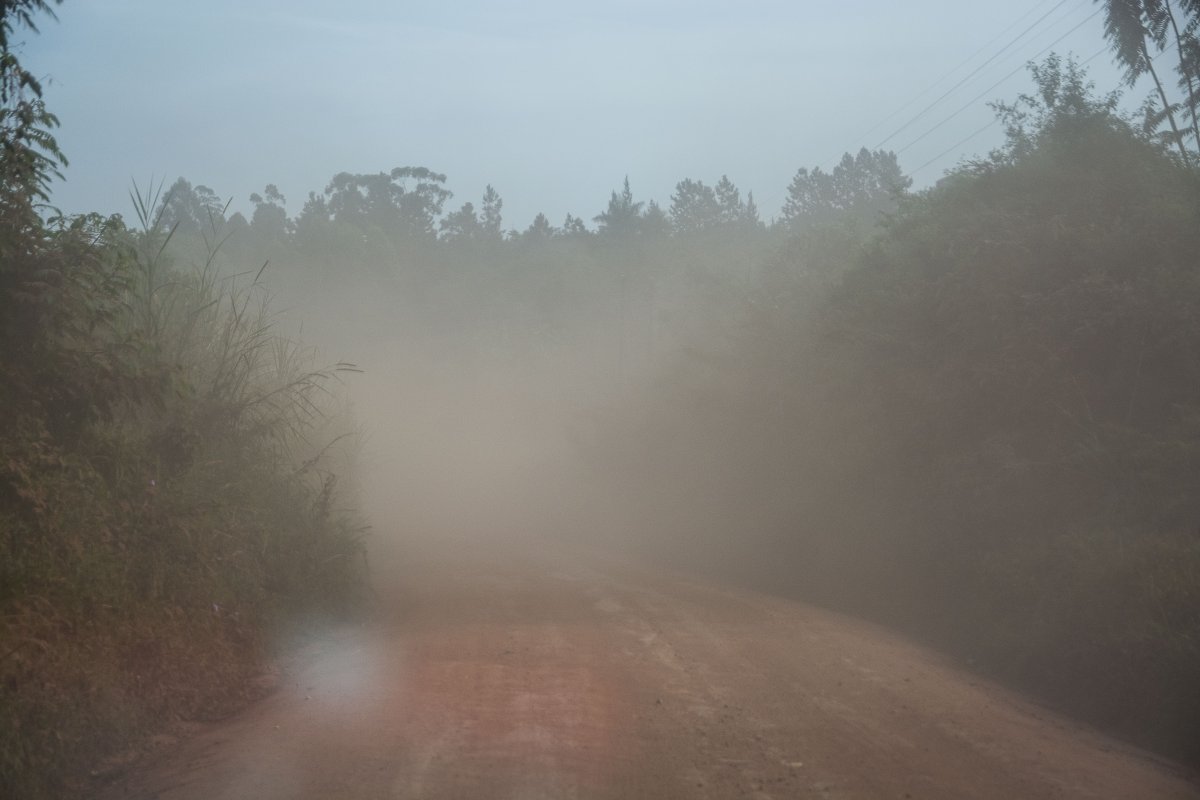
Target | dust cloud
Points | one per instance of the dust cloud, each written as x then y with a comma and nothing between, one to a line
484,418
856,406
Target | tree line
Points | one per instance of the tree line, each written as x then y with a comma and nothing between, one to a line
407,205
971,411
172,472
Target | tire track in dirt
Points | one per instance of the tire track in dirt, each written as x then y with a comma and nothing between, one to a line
538,672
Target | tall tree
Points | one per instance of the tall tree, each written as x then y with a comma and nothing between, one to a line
1064,99
191,209
729,201
461,225
30,159
490,217
403,203
1133,28
860,186
750,214
540,230
270,220
31,156
1187,66
623,217
655,222
469,224
575,227
694,207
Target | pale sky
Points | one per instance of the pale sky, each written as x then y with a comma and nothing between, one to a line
553,103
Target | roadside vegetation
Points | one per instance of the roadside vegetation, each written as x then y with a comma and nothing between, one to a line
978,422
971,412
167,504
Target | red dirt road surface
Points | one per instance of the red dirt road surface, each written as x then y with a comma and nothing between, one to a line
538,673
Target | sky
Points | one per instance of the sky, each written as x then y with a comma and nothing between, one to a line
553,102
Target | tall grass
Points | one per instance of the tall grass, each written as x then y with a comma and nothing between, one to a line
149,548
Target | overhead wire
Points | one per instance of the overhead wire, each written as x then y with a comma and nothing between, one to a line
950,72
970,75
955,146
990,125
986,91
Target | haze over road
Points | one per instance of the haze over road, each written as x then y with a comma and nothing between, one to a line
539,672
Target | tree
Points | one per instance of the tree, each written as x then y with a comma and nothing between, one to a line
750,213
467,224
1056,115
191,209
622,219
31,156
694,207
655,223
270,220
573,226
859,187
313,214
540,230
490,218
1132,27
403,203
461,225
30,159
729,201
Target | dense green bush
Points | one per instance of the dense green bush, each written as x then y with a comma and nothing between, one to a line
163,497
164,500
979,422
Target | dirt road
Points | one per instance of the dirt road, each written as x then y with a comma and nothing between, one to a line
542,674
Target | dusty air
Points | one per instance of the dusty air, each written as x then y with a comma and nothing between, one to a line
654,400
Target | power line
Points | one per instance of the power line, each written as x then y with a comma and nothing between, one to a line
955,146
1093,56
950,72
986,91
972,74
990,125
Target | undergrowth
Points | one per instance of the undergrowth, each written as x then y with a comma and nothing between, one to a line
164,499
